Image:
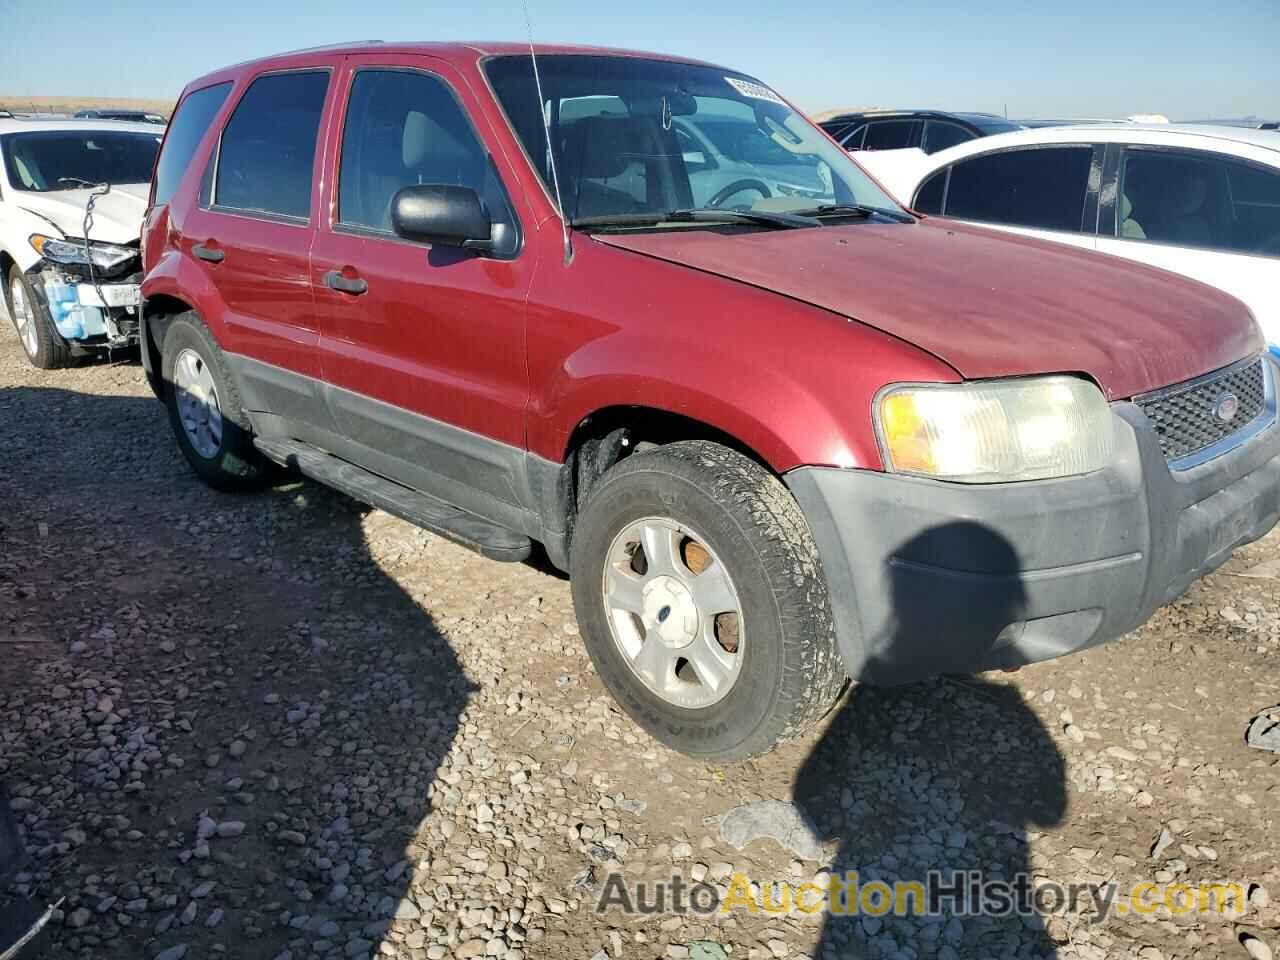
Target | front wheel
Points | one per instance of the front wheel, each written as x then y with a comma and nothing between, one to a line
40,341
702,601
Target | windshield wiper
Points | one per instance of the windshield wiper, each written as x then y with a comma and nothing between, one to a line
772,218
782,221
855,210
75,183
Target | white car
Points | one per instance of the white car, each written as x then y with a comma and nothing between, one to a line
1203,201
72,195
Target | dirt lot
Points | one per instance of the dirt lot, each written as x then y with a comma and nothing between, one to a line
287,726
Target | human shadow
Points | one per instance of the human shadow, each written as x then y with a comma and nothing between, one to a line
236,746
940,778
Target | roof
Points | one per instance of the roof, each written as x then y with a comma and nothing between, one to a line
34,124
967,116
456,51
1153,133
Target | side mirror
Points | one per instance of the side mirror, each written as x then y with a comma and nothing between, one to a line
440,214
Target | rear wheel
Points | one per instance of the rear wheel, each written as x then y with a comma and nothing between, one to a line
703,606
40,341
205,411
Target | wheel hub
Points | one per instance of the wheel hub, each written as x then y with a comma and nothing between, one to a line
669,605
24,318
666,594
198,406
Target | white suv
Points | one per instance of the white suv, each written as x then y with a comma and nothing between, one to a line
1203,201
72,194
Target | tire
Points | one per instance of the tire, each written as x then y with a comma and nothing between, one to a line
788,667
225,458
43,346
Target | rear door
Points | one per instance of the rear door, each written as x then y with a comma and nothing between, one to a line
251,235
1048,191
1208,216
423,349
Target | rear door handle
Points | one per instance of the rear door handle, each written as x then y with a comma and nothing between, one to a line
208,253
337,281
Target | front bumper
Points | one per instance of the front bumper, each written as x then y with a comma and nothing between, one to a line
105,314
927,577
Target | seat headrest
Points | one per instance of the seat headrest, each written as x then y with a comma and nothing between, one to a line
602,147
1189,194
413,148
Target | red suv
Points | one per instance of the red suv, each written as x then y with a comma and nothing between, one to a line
780,431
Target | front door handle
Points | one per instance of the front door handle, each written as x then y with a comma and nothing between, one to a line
208,253
337,281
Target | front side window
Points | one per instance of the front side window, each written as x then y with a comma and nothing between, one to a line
403,129
43,161
890,135
939,134
267,153
1199,200
1043,188
192,119
618,153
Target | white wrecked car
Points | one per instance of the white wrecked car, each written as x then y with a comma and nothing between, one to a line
72,195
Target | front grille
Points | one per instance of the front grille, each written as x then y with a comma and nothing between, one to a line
1186,417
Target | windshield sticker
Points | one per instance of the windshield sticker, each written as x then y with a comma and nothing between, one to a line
755,90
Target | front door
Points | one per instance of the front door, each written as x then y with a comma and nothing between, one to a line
422,348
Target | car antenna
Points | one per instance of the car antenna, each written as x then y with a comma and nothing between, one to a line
546,126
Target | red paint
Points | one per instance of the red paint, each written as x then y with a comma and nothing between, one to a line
989,304
780,339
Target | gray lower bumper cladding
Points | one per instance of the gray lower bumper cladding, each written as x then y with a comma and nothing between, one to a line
929,577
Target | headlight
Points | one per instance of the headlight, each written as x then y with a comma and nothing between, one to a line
105,256
996,431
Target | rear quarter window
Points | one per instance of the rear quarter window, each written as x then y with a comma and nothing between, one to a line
187,129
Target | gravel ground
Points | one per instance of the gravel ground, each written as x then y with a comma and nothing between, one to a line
286,726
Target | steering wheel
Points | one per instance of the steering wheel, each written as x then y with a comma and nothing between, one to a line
739,186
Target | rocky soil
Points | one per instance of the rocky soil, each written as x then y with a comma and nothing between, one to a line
286,726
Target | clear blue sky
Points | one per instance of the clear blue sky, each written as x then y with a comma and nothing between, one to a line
1185,58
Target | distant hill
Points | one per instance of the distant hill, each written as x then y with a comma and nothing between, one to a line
39,104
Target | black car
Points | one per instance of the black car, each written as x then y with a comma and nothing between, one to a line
930,130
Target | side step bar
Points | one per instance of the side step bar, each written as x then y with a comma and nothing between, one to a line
450,522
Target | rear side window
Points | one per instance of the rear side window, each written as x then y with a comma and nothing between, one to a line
1043,188
268,148
186,130
890,135
938,135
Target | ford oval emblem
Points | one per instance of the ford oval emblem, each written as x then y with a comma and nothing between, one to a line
1227,407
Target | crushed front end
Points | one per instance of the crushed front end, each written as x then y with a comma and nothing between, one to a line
91,291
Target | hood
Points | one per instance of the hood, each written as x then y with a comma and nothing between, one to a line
988,304
117,217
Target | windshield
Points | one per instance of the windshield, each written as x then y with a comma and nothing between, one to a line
634,137
45,160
